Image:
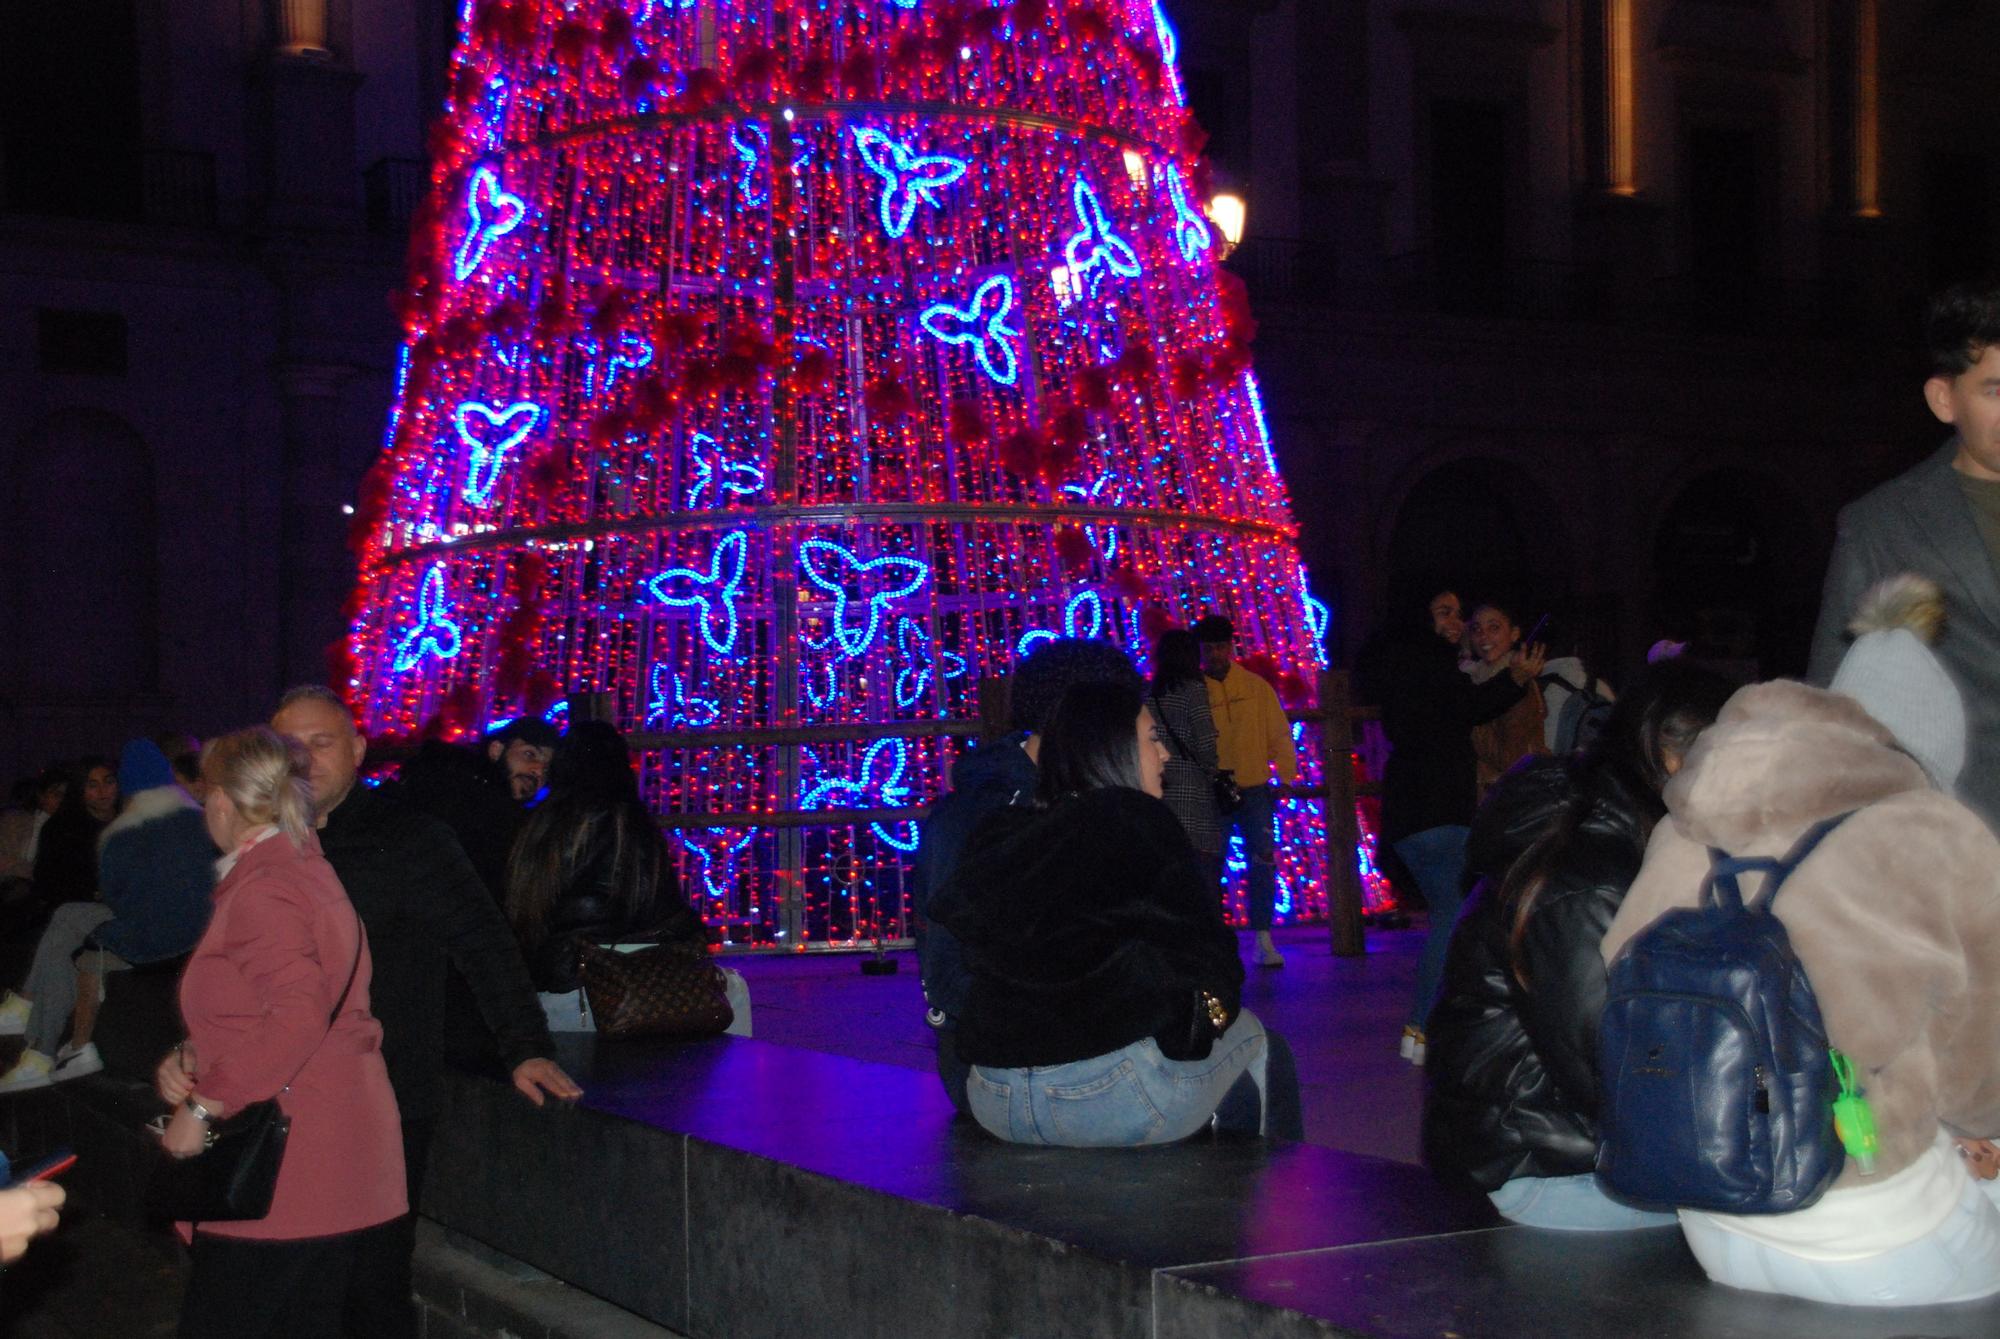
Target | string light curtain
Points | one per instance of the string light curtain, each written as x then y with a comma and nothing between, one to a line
780,363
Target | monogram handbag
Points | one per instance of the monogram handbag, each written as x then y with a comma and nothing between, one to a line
233,1179
666,990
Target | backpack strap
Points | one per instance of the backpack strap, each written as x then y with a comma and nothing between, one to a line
1722,889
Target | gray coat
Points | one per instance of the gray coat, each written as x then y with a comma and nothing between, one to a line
1920,522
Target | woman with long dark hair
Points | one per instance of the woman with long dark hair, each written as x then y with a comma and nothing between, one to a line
1105,1006
1512,1071
590,867
1179,700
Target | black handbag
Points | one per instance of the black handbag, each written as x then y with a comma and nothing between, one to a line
233,1179
1228,795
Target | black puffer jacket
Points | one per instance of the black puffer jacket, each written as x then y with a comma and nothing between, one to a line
1511,1072
1429,707
1087,926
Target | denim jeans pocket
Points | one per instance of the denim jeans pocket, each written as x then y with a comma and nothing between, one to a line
1111,1110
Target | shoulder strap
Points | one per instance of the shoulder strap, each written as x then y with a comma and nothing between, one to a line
353,970
1161,716
1724,869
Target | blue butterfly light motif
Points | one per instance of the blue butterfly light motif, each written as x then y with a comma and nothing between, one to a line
1083,617
920,662
626,354
713,592
435,633
752,144
879,581
909,179
715,478
1191,230
1094,243
675,706
490,214
490,434
982,323
878,785
1108,489
717,850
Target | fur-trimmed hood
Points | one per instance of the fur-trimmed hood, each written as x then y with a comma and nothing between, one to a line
143,807
1781,757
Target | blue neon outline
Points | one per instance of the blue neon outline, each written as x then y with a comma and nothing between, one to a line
750,154
1106,544
431,611
707,472
995,333
905,181
1191,230
1263,427
731,550
1069,622
678,709
851,643
696,844
486,456
479,234
1096,233
915,646
1318,617
889,791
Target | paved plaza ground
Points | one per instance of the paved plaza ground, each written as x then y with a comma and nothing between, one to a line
1342,1016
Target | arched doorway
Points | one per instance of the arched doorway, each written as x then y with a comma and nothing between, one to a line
1737,565
1487,525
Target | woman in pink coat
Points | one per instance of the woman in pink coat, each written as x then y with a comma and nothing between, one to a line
282,945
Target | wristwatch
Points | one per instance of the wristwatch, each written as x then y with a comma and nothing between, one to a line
200,1112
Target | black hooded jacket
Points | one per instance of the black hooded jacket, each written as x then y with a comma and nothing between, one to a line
1429,707
1511,1071
1087,926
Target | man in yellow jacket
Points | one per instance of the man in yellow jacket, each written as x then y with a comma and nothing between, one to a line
1252,740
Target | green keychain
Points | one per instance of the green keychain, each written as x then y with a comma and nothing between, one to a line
1853,1120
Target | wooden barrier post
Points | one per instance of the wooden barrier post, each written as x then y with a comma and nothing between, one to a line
1343,834
996,707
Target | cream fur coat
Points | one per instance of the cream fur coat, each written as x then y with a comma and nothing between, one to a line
1896,916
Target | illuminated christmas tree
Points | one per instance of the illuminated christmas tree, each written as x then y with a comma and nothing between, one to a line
781,365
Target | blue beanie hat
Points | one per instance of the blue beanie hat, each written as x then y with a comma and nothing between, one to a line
143,767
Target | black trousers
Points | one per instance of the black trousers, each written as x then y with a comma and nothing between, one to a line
378,1293
254,1289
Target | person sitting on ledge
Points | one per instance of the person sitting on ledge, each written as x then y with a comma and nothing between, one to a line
591,867
1510,1098
989,778
1105,1001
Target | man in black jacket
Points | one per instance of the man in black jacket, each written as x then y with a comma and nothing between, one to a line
422,905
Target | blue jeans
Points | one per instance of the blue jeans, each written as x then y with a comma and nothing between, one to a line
1253,820
1571,1204
1436,859
1956,1261
1130,1097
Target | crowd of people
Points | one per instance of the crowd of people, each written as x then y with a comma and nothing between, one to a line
1083,982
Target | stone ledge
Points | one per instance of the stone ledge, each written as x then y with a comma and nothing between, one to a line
463,1297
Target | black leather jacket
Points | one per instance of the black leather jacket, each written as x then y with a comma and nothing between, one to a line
1511,1071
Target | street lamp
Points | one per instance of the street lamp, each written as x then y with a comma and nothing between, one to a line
1227,212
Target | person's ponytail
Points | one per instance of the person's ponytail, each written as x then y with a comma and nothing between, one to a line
265,776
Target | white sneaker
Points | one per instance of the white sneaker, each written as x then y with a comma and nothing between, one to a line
14,1013
29,1072
1412,1049
1267,952
73,1062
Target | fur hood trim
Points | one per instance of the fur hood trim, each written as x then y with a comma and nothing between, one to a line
1781,757
145,806
1906,601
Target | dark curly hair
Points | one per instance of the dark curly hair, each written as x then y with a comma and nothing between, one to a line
1960,325
1048,671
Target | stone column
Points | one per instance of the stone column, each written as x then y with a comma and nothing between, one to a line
313,568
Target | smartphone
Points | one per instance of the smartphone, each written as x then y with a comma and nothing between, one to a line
52,1166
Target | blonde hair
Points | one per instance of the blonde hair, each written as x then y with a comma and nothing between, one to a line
264,776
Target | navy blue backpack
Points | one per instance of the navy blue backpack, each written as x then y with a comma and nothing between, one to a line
1718,1087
